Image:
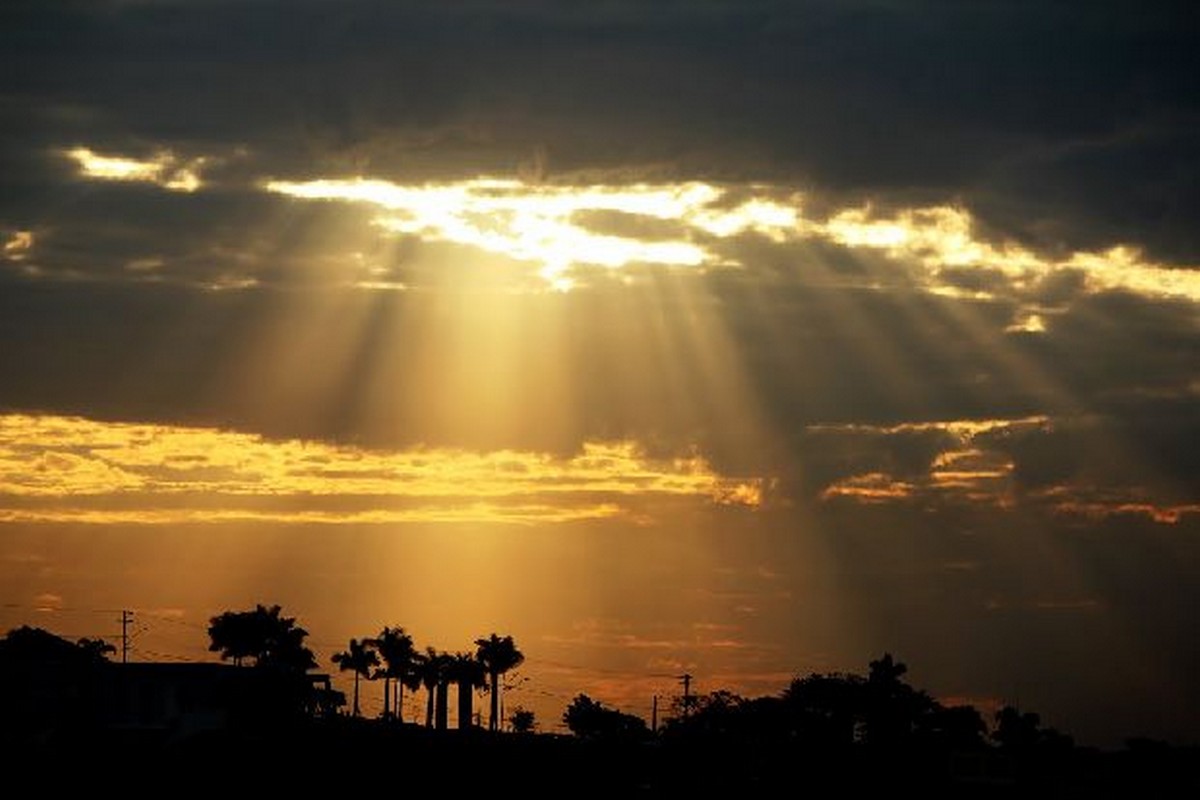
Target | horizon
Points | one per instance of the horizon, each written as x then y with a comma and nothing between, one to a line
663,709
746,340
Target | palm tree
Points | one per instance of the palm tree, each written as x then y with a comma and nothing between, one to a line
441,710
498,655
411,680
395,648
466,671
360,657
430,668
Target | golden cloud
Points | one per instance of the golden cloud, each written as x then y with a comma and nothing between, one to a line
1093,504
58,469
541,222
545,223
18,245
871,487
165,169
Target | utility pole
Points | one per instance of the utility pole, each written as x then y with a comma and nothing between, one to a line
687,692
126,619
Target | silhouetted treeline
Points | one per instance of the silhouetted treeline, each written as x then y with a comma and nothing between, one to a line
255,729
876,733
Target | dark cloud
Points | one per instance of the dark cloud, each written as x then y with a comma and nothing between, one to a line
1114,344
1064,127
1143,447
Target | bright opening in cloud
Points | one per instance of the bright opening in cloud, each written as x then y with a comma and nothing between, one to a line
165,169
941,238
553,224
546,223
18,245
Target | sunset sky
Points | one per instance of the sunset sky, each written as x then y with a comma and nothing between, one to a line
742,338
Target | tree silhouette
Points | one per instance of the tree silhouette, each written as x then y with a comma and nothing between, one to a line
236,635
960,728
892,709
498,655
359,658
1016,730
96,648
880,710
1021,732
396,651
468,674
285,647
886,670
441,706
411,680
590,719
717,713
825,709
430,668
264,635
522,720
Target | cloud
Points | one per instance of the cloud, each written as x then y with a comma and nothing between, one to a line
48,601
63,469
872,487
993,462
18,245
848,104
546,223
1092,504
164,169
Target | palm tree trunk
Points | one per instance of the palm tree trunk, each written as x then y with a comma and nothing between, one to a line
399,700
429,709
356,693
441,713
387,687
492,718
464,705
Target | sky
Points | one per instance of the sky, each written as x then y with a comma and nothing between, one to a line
743,339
